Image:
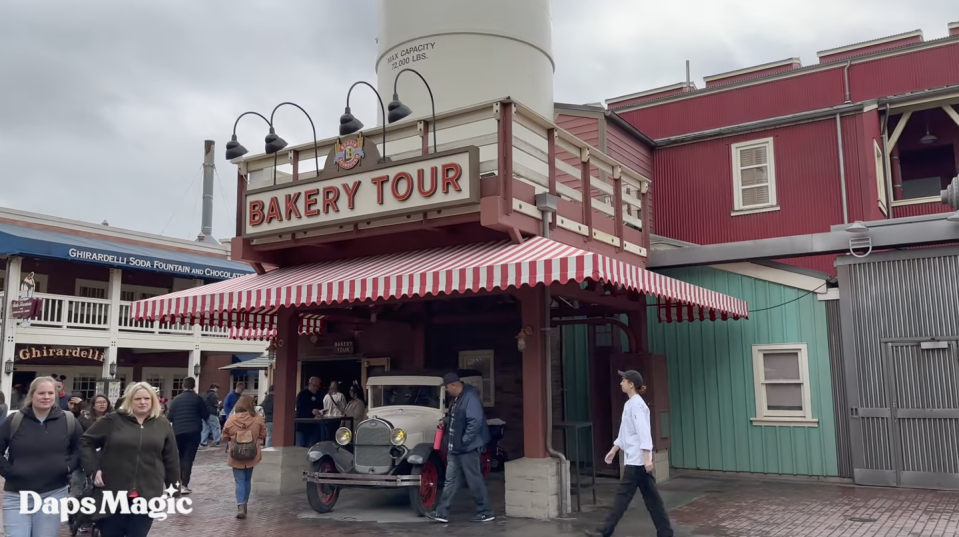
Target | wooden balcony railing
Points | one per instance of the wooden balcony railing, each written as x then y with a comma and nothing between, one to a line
70,312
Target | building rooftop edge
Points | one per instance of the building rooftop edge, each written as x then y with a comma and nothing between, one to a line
869,56
753,69
863,44
69,225
644,93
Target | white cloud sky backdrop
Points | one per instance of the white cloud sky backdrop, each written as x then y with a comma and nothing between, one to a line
104,104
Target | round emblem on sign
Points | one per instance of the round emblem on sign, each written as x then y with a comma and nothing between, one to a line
349,153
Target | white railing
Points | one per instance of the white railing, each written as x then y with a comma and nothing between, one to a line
72,312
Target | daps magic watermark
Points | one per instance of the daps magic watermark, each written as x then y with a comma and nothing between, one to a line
111,503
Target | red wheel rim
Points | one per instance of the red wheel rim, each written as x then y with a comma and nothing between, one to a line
327,493
428,484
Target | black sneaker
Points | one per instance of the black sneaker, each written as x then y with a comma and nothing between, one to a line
436,518
483,518
203,444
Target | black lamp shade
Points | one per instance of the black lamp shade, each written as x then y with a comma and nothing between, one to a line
397,110
234,149
348,123
274,143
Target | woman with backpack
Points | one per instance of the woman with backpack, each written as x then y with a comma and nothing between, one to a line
44,449
243,432
137,457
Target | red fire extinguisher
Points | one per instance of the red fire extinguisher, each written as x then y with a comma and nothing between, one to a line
438,437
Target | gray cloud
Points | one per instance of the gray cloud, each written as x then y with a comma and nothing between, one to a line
104,104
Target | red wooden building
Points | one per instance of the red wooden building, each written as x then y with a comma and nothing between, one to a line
423,257
869,132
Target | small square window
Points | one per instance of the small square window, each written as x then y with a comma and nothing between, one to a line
481,361
781,376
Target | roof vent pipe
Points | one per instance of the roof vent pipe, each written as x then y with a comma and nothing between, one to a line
206,225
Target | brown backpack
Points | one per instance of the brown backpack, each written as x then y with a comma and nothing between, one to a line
244,445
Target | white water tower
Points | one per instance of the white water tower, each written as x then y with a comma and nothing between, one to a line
470,51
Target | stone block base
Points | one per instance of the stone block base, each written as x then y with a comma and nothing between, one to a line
661,465
281,471
533,488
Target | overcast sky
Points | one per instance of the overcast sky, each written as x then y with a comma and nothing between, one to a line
104,105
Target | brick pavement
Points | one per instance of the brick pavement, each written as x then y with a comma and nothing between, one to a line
700,507
736,507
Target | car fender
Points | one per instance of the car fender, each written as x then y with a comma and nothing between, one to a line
342,456
420,453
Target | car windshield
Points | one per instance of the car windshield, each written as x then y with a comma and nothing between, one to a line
404,395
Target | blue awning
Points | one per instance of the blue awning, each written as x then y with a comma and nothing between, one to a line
246,356
25,241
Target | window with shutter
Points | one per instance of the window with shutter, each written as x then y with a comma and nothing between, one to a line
754,175
781,376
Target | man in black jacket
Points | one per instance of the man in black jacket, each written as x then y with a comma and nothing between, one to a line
268,416
465,433
211,426
187,411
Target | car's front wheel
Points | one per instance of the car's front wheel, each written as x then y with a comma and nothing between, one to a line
323,497
425,498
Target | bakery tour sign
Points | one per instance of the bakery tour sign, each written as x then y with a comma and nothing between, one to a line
29,353
354,187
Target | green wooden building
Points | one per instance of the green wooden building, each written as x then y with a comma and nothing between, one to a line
752,395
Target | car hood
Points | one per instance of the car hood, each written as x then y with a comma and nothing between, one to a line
418,422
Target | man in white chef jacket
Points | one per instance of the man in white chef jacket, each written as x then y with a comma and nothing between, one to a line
635,440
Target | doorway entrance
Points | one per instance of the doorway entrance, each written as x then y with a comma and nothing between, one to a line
908,423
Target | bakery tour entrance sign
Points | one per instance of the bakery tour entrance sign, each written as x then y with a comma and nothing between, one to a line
355,188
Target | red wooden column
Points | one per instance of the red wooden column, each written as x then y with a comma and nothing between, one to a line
534,367
284,378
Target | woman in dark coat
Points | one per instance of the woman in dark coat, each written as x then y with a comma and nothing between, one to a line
138,457
42,454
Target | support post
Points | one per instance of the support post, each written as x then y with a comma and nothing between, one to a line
281,469
10,293
194,362
114,289
285,387
533,483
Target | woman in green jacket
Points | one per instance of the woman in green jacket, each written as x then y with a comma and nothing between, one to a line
138,457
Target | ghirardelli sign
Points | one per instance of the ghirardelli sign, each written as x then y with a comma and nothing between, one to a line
355,188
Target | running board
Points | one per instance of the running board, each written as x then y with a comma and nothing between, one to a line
343,480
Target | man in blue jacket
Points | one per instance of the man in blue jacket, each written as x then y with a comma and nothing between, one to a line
466,435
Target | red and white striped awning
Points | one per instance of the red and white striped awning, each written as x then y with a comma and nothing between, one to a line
251,301
309,324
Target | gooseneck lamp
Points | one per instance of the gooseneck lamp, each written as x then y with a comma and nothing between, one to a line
233,148
398,110
274,143
350,124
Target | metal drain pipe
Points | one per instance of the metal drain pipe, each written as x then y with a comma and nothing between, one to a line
547,204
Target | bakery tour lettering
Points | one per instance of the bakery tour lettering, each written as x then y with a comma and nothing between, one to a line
423,184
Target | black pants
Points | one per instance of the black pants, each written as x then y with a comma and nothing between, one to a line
187,444
637,477
125,525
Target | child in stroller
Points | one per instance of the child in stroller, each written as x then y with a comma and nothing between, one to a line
81,487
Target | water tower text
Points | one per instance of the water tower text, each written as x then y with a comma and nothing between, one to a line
410,55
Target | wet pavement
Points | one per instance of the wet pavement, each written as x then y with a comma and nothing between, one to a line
699,507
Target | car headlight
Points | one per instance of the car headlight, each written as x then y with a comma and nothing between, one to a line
398,437
343,436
